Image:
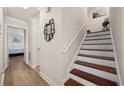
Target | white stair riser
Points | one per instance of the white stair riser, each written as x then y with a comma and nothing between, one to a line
82,81
99,37
98,53
97,46
100,33
97,41
99,73
97,61
103,37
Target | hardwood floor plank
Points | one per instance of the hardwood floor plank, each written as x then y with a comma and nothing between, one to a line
20,74
100,67
92,78
71,82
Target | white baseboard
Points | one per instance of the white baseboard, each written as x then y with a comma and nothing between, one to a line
47,79
64,80
2,78
32,66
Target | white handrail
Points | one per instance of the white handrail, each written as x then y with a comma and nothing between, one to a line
69,44
74,58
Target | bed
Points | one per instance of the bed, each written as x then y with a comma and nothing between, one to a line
16,48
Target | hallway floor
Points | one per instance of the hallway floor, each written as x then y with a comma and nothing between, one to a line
20,74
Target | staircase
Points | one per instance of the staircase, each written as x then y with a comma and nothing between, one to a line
95,62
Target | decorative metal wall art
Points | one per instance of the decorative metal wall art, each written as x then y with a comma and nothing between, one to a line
49,30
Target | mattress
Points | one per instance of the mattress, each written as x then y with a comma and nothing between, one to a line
15,48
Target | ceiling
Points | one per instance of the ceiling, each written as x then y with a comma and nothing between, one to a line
21,13
93,9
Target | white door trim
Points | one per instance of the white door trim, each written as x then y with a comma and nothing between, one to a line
5,44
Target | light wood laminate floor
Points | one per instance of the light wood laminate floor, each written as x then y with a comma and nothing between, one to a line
20,74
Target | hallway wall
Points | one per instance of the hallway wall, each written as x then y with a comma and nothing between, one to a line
50,58
73,19
33,42
95,24
1,44
117,25
16,22
68,21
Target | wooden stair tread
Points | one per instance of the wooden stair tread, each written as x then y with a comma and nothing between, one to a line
108,50
99,44
97,39
71,82
99,57
92,78
100,67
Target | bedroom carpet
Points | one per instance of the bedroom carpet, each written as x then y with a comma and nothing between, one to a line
20,74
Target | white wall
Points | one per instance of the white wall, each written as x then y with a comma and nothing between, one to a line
72,20
33,41
30,42
117,25
95,24
12,32
50,51
1,45
68,21
16,22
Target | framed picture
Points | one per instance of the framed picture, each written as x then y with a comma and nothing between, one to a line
99,13
49,30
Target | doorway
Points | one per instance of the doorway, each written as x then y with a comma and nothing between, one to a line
17,72
15,43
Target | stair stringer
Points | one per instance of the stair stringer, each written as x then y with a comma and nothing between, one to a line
73,60
116,60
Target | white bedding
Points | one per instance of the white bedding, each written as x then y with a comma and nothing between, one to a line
15,48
